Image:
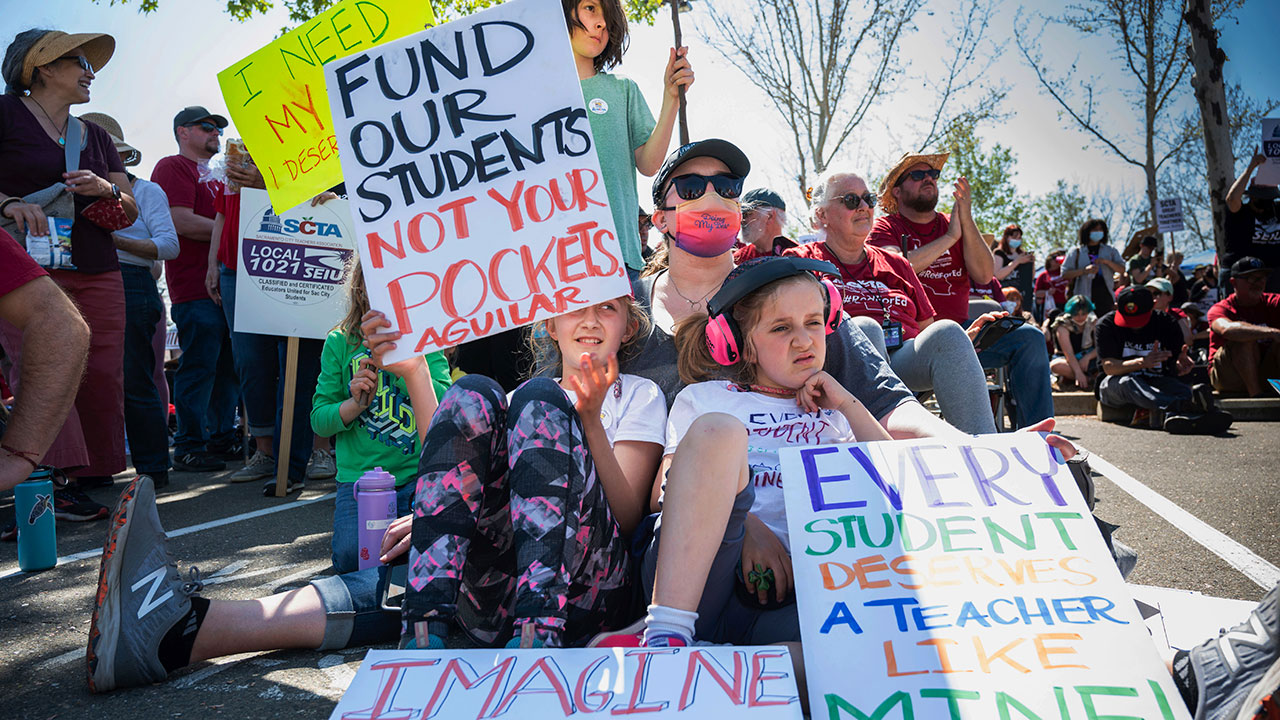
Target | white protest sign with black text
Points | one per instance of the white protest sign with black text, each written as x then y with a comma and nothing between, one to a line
1169,215
963,581
1269,173
696,682
292,269
475,187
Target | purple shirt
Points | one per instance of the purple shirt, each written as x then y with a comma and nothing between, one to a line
30,160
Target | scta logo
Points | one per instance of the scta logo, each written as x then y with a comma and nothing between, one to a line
307,226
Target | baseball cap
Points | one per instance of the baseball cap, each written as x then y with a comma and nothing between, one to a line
1150,241
1246,265
762,197
1133,307
196,113
722,150
1161,285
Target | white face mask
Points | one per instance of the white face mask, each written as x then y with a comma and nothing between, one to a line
1095,236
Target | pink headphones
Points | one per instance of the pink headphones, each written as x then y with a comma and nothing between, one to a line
724,337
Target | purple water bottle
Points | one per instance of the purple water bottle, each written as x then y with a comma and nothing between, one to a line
375,493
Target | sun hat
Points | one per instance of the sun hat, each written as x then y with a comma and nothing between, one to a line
934,160
97,47
108,123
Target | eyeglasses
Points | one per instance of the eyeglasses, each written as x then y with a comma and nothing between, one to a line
918,175
692,187
81,60
206,126
852,201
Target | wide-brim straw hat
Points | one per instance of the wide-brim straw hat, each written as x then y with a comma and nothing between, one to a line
934,160
98,48
108,123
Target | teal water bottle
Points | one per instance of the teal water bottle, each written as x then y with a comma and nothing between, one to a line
37,541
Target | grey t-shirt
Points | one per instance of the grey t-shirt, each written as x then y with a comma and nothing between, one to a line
851,359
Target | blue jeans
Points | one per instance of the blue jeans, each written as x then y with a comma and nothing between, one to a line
146,418
353,609
346,540
206,391
256,363
1023,350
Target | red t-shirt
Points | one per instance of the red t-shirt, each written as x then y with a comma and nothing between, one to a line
946,280
179,177
229,243
1266,313
19,268
882,281
1053,281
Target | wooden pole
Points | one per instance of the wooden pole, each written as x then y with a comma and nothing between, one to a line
286,417
684,120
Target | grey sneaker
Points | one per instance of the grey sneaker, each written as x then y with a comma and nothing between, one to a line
322,466
260,466
1238,673
140,595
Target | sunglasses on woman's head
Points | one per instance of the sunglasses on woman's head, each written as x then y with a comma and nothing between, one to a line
853,201
82,60
918,175
692,187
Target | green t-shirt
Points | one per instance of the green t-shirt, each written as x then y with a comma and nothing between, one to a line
386,433
620,123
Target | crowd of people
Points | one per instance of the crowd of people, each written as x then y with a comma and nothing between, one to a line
537,515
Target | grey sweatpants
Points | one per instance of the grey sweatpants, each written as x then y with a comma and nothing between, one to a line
941,358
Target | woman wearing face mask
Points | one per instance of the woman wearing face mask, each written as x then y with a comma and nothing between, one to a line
1014,267
1092,264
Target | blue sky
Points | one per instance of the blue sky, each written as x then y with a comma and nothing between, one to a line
170,58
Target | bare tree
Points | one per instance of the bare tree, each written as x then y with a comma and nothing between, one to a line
1149,39
966,65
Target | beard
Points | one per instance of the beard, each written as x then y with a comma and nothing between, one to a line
922,201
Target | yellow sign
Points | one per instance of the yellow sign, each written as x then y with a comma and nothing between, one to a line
276,96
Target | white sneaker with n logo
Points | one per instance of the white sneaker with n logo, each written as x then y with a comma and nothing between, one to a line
140,595
1240,667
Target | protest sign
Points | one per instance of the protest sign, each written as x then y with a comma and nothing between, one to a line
291,276
694,682
276,96
962,580
478,198
1269,173
1169,215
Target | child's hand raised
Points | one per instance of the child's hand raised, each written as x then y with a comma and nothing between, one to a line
821,391
679,74
593,384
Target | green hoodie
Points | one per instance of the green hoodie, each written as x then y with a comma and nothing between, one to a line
384,435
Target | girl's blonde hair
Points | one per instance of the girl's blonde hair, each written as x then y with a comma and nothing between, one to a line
358,304
546,351
694,359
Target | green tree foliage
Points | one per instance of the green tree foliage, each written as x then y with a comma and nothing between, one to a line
996,201
1054,219
445,10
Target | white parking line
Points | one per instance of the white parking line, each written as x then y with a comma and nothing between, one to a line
1238,556
192,529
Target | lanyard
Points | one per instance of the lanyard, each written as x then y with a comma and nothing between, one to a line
848,272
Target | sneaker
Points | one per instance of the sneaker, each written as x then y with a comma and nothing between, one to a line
70,503
231,451
261,465
1238,673
1215,422
269,487
630,636
662,640
140,595
197,462
322,466
1202,397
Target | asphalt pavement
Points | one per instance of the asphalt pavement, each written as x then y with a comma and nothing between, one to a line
1230,484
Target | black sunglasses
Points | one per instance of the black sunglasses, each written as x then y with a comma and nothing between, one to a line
206,126
692,187
918,175
81,60
853,201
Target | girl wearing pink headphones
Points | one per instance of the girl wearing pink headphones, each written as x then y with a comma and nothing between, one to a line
767,332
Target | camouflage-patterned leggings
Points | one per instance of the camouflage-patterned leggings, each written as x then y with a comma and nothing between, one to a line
511,524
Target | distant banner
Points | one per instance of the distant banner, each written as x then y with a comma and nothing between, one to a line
276,96
476,190
291,275
1169,215
694,682
1269,173
962,580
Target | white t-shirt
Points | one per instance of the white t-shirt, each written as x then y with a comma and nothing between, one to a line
637,411
772,423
